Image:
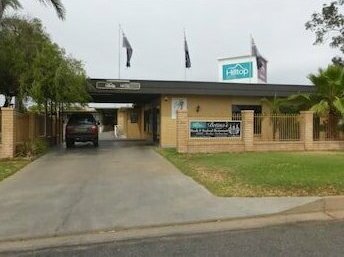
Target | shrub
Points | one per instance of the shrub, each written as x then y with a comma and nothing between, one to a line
33,148
40,146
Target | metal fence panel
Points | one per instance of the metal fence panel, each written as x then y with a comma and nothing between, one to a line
277,127
328,128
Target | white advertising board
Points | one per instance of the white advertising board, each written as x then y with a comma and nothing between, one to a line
241,69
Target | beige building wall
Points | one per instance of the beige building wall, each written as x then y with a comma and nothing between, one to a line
209,107
122,121
134,128
128,129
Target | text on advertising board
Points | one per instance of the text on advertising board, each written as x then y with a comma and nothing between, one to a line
115,85
215,129
237,71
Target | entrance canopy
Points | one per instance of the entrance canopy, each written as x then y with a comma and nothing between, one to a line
144,91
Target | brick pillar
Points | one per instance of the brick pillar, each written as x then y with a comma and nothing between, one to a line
307,133
8,132
182,131
247,123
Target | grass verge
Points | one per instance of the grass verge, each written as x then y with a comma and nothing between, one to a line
264,174
9,167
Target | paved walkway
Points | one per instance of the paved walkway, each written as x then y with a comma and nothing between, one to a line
119,185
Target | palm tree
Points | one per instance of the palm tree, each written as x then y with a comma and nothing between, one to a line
4,4
329,85
329,91
15,4
328,97
276,106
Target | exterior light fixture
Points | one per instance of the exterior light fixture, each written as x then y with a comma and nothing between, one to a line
198,108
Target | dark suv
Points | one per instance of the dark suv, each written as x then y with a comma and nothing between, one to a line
81,128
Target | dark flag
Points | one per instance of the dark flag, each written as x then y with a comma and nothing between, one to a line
127,45
187,55
256,53
261,62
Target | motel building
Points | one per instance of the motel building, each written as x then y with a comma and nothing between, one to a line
228,115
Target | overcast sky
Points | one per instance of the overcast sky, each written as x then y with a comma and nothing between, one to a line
215,28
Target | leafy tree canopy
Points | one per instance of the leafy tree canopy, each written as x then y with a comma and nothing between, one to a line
20,41
15,4
33,66
329,24
328,97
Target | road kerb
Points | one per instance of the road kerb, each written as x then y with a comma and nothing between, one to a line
325,209
325,204
163,231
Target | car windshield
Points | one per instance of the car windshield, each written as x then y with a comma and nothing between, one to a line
81,120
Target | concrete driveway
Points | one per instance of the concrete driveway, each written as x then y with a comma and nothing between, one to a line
119,185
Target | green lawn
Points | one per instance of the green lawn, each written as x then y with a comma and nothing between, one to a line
264,174
9,167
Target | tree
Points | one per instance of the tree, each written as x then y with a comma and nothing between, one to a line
34,67
57,78
327,100
328,96
20,41
44,67
329,23
277,105
330,92
5,4
70,79
15,4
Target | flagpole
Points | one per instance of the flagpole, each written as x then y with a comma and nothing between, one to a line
119,51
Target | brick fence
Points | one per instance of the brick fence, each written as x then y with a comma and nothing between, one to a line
247,141
17,128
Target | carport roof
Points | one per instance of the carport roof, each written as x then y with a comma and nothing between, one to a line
150,89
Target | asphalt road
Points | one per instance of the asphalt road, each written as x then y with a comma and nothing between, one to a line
302,240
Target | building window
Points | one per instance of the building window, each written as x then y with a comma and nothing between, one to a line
238,108
134,117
